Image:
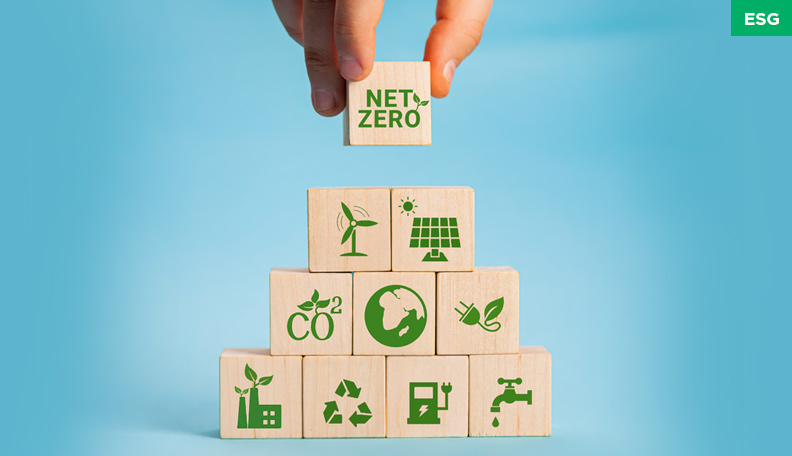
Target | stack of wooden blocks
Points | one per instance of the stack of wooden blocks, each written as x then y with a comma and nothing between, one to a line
390,332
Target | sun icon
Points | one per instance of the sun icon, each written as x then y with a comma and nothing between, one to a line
408,206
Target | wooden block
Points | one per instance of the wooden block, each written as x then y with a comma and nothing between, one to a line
393,313
344,396
390,107
310,313
432,228
510,394
260,395
478,312
334,243
427,396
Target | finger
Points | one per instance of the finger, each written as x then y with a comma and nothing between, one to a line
356,36
290,14
457,32
328,88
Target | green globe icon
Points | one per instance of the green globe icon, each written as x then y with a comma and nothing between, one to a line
395,316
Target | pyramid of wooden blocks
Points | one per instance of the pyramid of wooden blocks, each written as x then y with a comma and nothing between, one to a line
390,331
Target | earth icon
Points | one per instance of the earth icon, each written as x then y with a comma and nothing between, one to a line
395,316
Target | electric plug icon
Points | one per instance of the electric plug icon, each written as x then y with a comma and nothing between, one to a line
445,388
471,316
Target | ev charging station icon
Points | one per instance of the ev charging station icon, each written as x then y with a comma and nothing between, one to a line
424,402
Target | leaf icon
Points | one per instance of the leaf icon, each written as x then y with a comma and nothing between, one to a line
306,306
424,103
250,373
322,304
239,391
315,296
493,309
265,380
415,98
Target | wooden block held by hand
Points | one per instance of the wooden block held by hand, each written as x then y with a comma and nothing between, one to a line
478,312
310,313
344,396
427,396
510,394
390,107
349,229
260,395
393,313
433,228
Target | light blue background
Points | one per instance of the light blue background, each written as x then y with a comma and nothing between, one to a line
630,159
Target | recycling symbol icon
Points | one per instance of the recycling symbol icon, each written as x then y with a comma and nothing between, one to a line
332,414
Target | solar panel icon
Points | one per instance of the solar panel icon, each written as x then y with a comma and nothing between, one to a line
434,233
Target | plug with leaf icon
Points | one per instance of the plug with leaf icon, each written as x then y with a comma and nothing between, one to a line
471,316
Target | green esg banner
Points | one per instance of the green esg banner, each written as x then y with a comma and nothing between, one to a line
761,17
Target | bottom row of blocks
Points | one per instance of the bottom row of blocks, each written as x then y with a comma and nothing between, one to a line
264,396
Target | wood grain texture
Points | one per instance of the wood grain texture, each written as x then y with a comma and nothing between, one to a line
391,76
433,202
366,284
327,225
403,370
322,376
285,390
533,366
478,288
290,288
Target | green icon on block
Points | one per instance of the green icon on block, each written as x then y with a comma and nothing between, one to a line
509,396
470,315
408,206
424,402
332,414
435,233
320,308
260,416
352,224
395,316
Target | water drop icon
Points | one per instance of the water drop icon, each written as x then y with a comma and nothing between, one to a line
495,422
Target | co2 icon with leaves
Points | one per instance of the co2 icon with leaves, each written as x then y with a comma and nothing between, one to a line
322,310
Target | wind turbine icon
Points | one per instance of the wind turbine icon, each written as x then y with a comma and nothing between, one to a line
351,230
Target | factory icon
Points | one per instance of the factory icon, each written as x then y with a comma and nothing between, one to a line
256,416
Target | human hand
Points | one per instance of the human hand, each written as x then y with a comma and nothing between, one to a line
339,38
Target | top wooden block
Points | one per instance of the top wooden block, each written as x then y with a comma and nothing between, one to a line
390,107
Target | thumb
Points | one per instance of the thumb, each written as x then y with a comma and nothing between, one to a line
460,24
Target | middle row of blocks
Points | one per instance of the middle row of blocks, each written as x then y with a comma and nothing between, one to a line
394,313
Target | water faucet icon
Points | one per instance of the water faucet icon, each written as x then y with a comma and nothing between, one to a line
509,394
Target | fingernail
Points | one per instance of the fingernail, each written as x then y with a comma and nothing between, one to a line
322,99
350,68
449,69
